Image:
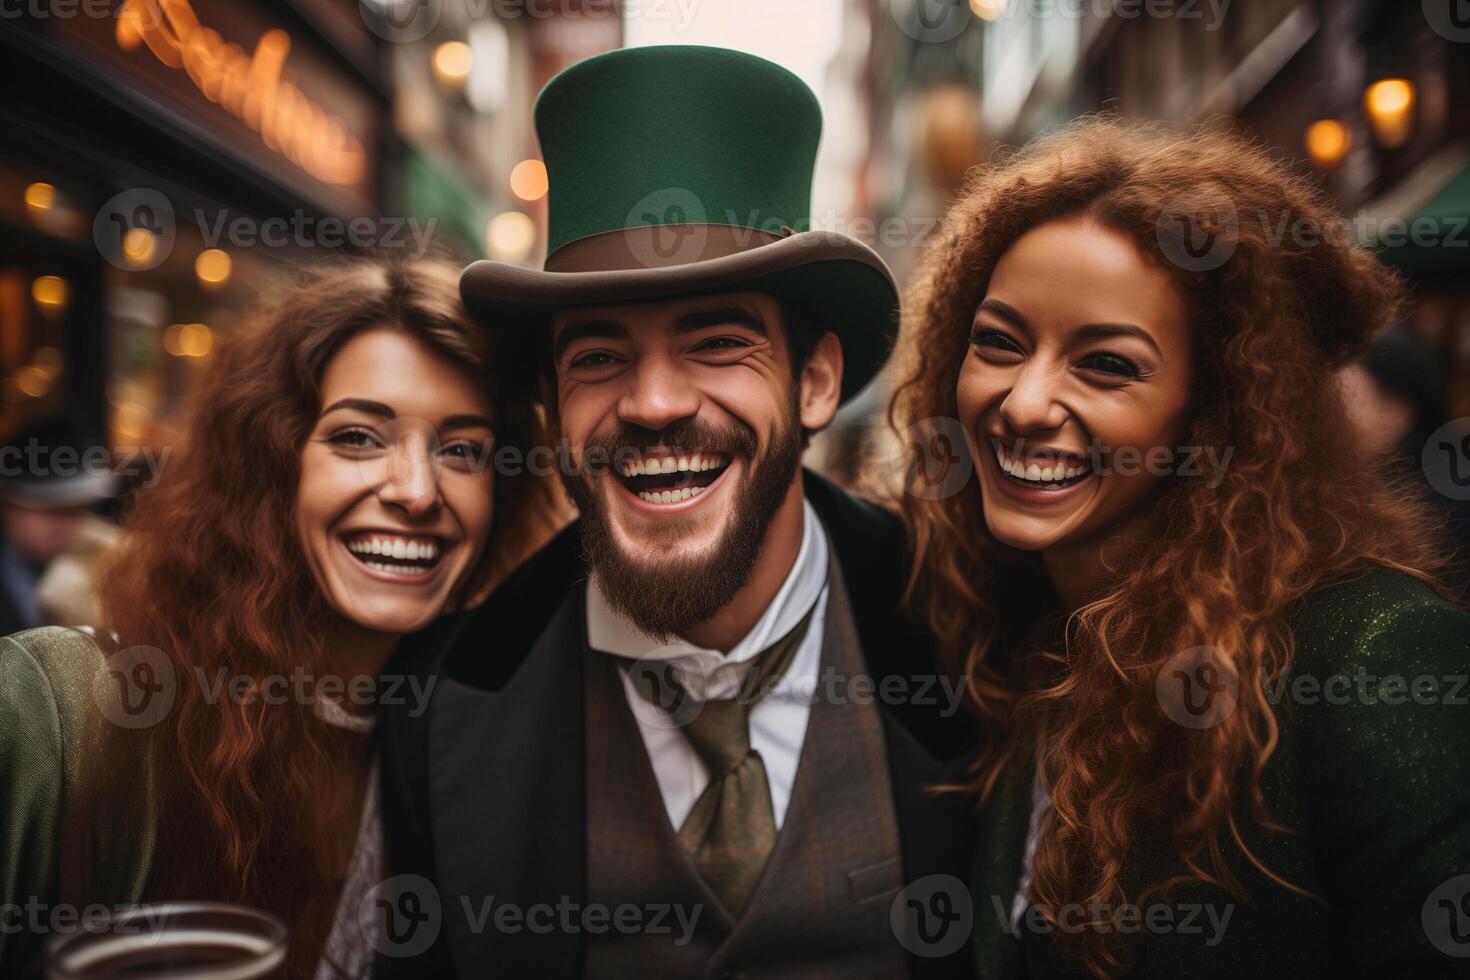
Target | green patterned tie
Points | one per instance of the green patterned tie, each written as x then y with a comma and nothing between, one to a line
731,830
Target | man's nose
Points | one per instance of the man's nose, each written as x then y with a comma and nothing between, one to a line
660,393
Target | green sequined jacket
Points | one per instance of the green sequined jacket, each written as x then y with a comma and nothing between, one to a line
1372,775
76,801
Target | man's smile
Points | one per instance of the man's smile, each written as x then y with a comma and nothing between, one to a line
667,478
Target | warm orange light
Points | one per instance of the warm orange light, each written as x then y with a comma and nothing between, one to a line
138,245
510,237
188,340
32,381
52,292
196,340
528,180
131,420
255,87
1390,107
452,64
212,266
1328,141
40,196
988,9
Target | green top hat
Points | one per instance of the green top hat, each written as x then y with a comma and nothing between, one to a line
679,170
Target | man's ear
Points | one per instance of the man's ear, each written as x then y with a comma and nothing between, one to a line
821,384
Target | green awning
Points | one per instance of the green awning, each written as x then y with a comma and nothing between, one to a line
1432,239
436,191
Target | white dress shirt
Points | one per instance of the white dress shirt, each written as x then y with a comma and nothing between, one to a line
777,721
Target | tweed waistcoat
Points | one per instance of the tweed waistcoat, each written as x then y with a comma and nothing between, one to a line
821,908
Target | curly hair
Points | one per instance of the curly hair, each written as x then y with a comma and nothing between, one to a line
1300,506
212,576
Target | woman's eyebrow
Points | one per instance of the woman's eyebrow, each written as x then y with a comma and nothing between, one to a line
360,404
467,422
1102,330
1005,311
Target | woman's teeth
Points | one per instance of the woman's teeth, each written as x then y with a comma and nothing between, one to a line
395,554
1047,471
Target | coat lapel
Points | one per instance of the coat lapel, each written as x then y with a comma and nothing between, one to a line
997,875
506,772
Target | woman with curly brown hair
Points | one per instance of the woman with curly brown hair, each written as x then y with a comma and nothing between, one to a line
337,493
1223,692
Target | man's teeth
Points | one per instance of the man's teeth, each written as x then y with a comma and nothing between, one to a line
671,496
1053,471
395,548
655,465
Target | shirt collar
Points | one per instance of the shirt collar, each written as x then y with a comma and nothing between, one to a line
609,632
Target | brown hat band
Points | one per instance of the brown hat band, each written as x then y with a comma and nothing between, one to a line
656,247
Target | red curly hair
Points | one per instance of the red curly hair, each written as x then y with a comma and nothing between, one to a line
212,576
1223,565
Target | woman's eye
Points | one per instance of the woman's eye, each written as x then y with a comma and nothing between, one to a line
467,451
353,439
989,339
1113,364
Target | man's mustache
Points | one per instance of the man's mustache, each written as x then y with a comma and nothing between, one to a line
736,440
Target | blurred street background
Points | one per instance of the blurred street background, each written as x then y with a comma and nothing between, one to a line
165,162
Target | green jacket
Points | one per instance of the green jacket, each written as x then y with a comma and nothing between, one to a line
1372,775
76,800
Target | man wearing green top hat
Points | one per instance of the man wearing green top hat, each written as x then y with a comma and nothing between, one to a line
693,737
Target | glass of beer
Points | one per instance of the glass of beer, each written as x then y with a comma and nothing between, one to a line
172,941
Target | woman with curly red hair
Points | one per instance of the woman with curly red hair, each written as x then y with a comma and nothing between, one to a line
337,492
1205,633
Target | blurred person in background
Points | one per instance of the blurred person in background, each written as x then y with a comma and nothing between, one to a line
1396,400
336,494
1162,797
51,477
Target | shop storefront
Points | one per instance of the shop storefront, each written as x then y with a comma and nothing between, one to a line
164,163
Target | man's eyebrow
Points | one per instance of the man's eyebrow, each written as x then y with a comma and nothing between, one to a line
361,405
720,316
587,330
1118,330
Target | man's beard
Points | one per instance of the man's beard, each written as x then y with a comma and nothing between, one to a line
666,598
